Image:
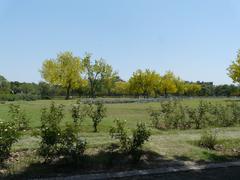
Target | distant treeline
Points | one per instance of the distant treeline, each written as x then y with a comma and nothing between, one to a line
68,75
10,91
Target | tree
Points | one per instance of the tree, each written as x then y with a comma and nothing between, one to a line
99,74
4,85
96,112
207,89
168,83
144,82
46,90
191,89
65,71
234,69
121,88
180,85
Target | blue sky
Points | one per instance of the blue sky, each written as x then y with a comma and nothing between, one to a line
197,40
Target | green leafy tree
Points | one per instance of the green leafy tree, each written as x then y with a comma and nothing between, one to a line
65,71
234,69
99,74
4,85
96,112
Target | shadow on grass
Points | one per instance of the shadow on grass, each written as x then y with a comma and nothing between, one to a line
210,158
107,160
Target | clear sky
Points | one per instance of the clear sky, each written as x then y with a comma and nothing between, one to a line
196,39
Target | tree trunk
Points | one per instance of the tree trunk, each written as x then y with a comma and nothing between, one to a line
68,92
165,93
92,89
95,127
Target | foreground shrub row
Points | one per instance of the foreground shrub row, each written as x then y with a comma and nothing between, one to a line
173,114
59,140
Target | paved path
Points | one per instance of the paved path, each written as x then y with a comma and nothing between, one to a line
149,172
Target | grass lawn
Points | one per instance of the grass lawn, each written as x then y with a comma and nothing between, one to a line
163,146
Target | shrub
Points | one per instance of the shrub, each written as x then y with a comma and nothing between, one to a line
96,112
57,142
200,114
8,135
130,145
208,139
223,116
50,131
181,118
171,115
120,132
79,112
140,135
163,118
16,97
70,144
235,110
18,117
157,118
7,97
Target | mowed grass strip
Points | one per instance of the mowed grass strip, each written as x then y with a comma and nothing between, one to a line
164,145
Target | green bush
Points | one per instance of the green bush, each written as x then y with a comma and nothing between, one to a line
96,111
223,116
7,97
57,141
208,139
18,116
157,118
70,143
235,110
181,119
120,132
163,118
140,135
171,115
8,135
16,97
130,145
200,115
79,112
174,115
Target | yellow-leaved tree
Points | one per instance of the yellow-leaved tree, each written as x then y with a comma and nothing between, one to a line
64,71
191,89
144,83
121,88
168,83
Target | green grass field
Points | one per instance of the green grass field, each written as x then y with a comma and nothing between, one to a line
171,145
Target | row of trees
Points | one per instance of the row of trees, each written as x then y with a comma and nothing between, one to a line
43,90
71,75
98,78
74,73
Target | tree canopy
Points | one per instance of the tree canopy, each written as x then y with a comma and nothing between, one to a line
99,74
234,69
65,71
